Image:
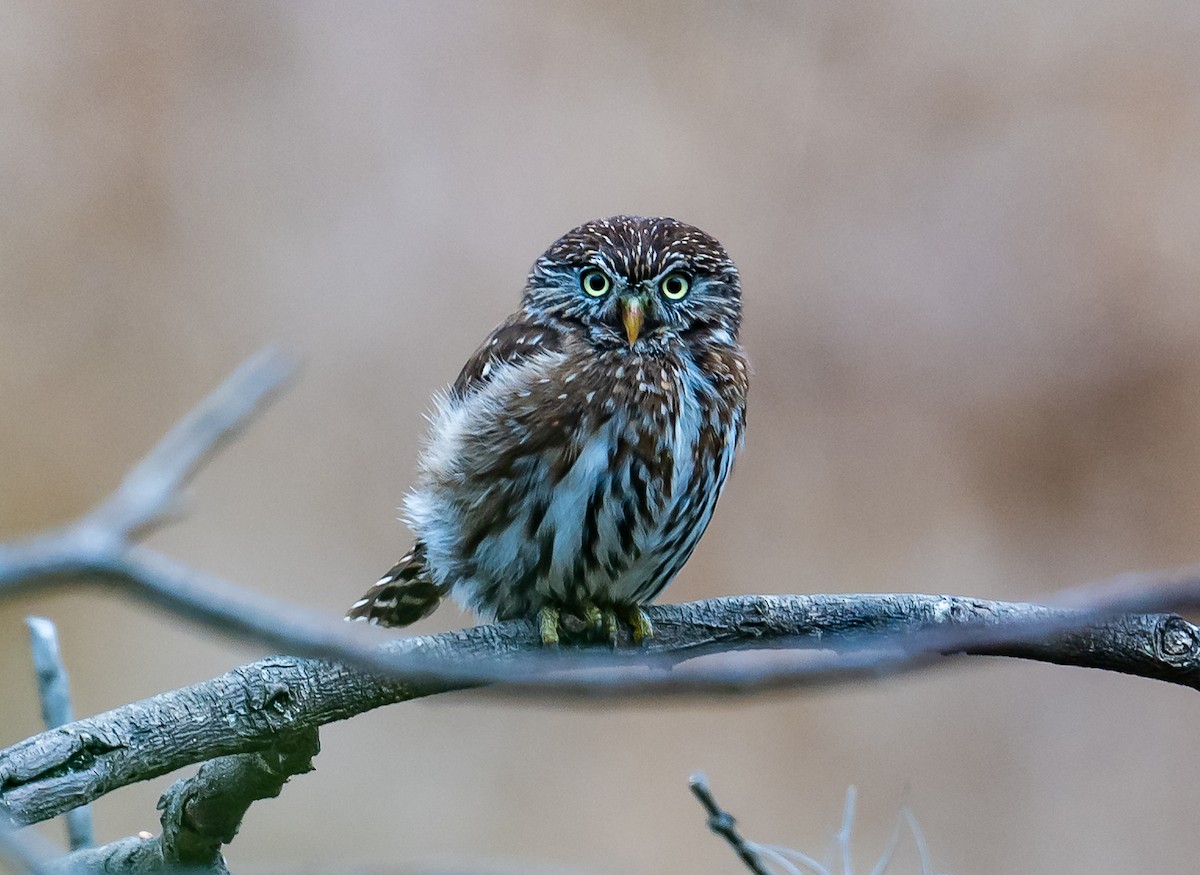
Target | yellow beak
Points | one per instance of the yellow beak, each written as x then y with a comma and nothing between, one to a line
632,315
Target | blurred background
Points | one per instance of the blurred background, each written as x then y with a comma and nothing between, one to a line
969,236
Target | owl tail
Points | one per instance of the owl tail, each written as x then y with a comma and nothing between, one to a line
402,596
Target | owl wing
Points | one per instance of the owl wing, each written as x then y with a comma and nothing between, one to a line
407,592
404,595
513,339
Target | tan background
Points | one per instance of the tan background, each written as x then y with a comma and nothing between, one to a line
970,240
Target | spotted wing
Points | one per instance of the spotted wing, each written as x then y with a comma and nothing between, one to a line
407,593
402,596
516,338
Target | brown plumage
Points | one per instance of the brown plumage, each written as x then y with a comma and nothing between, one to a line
577,459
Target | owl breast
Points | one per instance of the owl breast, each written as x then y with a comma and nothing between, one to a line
572,480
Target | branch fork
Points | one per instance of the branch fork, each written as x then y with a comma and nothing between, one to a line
260,720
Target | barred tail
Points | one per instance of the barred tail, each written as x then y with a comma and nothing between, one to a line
402,596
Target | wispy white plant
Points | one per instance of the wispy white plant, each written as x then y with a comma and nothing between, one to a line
838,860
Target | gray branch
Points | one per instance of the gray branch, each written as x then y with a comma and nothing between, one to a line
246,709
98,547
723,824
243,713
202,813
55,694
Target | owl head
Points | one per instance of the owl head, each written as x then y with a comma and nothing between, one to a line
637,282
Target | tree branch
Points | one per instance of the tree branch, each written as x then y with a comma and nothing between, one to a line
148,494
722,823
55,694
202,813
99,546
246,709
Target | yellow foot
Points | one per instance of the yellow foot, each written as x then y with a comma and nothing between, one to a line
643,629
601,622
612,626
547,619
592,617
596,622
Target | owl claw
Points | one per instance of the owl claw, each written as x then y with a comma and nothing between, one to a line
607,622
547,620
593,617
611,626
643,629
597,620
602,621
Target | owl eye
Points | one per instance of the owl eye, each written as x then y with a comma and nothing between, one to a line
595,282
674,286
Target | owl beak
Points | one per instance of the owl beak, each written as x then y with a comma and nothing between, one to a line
633,316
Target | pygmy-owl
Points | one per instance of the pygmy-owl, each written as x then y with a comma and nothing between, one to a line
576,461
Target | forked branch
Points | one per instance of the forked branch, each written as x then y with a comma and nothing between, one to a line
247,708
202,813
844,637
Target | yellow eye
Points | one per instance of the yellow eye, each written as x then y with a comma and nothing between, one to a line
674,286
595,282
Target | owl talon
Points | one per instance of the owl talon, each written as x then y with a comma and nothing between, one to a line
593,617
547,620
595,621
601,622
612,626
643,629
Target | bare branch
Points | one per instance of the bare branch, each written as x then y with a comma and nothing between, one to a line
97,548
204,812
723,824
853,637
245,709
53,690
55,694
148,494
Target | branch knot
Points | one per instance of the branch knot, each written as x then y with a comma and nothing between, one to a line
1176,640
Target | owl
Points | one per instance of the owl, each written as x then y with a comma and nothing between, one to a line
574,464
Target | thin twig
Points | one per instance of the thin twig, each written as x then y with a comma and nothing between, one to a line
889,850
54,692
147,496
919,838
791,861
841,844
791,854
723,824
847,830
